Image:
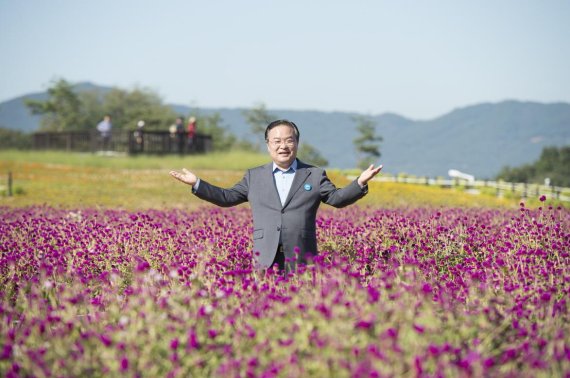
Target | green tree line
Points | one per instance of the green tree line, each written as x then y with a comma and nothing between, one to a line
65,109
554,164
14,139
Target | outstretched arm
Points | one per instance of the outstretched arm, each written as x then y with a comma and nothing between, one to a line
186,177
368,174
211,193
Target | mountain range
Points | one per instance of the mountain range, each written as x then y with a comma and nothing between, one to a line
478,139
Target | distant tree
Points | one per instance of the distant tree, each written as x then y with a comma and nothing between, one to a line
367,142
258,118
92,109
311,155
67,110
13,139
524,173
222,139
554,163
128,107
245,145
61,111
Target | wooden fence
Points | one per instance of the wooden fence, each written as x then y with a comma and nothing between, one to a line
127,141
525,190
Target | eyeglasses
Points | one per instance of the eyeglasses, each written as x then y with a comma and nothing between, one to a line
278,142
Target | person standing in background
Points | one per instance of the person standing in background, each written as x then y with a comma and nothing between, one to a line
139,138
191,130
180,133
104,127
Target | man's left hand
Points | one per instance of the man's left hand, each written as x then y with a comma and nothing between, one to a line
367,174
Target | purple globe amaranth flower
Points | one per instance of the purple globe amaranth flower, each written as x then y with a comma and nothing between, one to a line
124,364
174,343
192,342
391,333
418,365
174,357
375,351
427,288
324,309
106,340
6,352
285,342
373,294
253,362
418,328
488,363
14,371
434,350
212,333
545,297
364,324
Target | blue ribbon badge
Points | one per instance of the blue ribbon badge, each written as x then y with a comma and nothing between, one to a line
308,187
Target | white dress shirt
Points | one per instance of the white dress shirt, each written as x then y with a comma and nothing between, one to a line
283,180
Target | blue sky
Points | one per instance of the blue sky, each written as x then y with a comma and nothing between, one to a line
419,59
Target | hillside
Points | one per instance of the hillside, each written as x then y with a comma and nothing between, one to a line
478,139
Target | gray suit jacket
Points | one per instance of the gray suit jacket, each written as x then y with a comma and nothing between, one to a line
293,222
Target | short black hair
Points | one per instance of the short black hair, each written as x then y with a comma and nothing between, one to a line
282,122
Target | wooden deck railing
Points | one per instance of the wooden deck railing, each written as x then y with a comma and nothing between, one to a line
127,141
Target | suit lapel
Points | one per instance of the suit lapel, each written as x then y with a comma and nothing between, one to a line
271,184
300,177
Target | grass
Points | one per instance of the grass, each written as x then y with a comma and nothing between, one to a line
75,180
233,160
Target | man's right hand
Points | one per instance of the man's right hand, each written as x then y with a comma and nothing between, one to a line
186,176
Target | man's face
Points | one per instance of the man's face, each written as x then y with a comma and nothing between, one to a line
282,145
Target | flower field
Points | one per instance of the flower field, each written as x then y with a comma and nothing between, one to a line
394,292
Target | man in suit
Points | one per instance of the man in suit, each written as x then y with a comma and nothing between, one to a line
284,196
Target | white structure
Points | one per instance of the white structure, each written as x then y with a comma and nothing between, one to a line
460,175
